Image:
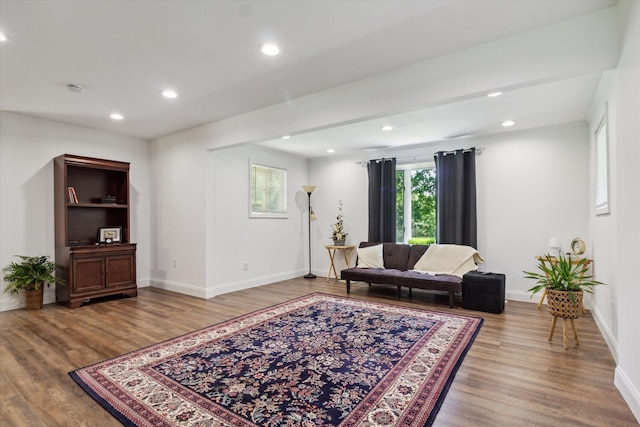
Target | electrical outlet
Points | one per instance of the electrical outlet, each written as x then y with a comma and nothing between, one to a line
245,265
175,263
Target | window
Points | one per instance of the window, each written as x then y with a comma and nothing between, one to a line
268,192
416,205
602,173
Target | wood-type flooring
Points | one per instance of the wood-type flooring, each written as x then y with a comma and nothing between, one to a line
512,376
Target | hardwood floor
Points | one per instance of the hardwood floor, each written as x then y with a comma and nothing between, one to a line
512,376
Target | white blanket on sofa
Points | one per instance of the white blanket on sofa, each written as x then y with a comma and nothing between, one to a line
448,259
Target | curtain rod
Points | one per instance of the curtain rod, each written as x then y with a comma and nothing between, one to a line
479,151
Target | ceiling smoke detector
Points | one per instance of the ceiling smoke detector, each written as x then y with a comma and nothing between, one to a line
74,88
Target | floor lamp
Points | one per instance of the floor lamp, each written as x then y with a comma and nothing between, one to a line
312,217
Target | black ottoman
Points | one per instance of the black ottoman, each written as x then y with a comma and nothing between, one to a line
483,291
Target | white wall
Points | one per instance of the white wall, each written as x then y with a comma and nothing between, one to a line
604,243
27,147
625,131
201,217
531,186
179,215
273,248
337,179
615,236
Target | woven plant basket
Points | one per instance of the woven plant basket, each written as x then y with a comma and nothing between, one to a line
34,298
560,305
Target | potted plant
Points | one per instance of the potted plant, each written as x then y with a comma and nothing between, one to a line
563,279
338,234
29,275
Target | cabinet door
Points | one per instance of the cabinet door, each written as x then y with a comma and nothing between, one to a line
120,270
88,274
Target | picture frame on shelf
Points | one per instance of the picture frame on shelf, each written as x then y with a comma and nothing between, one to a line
110,234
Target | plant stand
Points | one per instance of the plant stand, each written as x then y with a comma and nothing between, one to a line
564,331
560,305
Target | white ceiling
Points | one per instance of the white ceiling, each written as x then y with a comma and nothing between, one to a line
549,104
124,53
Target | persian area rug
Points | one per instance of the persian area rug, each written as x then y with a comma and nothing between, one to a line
316,360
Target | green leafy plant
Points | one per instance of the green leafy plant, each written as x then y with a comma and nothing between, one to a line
562,273
30,273
422,241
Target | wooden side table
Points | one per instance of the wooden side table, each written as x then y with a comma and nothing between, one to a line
544,291
347,251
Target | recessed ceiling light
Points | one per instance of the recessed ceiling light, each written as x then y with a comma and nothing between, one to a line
286,137
3,37
386,128
494,94
168,93
116,116
269,49
508,123
331,150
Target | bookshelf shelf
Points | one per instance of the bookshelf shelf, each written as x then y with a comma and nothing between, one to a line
98,205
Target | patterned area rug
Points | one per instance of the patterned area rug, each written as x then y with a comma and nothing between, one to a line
316,360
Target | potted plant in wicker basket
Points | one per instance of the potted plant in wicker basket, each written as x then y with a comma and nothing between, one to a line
564,279
29,276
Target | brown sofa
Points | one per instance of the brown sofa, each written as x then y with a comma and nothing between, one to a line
399,260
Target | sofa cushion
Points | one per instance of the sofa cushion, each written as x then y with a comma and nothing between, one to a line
370,257
416,279
415,254
381,276
396,255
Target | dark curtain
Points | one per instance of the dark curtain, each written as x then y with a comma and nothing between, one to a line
382,200
456,198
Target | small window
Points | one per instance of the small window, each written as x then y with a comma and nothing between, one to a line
268,192
602,169
416,204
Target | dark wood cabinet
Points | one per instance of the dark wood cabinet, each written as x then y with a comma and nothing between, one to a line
91,194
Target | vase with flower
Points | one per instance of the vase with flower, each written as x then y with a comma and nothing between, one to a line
338,234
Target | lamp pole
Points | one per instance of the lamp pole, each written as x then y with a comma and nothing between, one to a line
309,189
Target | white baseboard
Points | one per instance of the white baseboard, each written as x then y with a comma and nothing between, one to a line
256,281
630,394
212,291
521,296
14,302
181,288
606,332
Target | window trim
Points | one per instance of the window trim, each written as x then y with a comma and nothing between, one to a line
406,169
252,190
601,143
